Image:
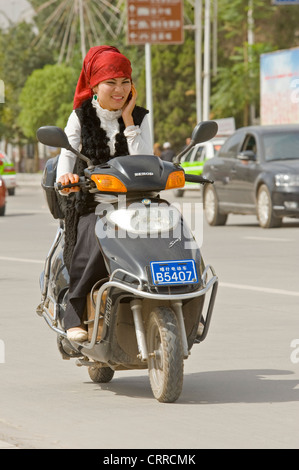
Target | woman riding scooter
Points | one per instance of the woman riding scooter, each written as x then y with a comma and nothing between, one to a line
106,123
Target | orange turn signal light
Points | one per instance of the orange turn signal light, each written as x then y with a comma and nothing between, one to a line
176,179
109,183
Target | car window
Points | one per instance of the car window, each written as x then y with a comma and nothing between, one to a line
249,143
231,146
187,157
200,153
281,146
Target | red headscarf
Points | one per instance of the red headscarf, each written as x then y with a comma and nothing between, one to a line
100,63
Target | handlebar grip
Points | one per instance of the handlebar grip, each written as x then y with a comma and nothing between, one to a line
197,179
60,186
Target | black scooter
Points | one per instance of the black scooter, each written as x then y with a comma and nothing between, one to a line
149,311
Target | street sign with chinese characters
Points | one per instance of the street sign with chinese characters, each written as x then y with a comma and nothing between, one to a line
155,22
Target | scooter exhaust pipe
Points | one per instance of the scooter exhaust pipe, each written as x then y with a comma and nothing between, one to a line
136,306
178,309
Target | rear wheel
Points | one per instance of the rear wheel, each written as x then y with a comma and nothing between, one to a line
100,374
166,361
211,207
2,211
264,207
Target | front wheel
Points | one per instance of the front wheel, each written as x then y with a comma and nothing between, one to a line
211,207
166,360
264,207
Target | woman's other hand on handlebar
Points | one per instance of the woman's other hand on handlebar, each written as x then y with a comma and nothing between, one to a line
69,178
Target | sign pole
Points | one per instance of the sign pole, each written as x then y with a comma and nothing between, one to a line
149,92
154,22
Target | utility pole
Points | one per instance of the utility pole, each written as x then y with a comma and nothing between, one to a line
250,40
207,67
215,40
198,58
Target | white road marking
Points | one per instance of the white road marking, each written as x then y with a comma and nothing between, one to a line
21,260
269,239
267,290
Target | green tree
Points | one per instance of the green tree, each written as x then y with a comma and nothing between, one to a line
46,98
234,88
237,84
18,60
173,85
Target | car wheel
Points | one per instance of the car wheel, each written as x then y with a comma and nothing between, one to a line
11,191
264,208
2,211
211,207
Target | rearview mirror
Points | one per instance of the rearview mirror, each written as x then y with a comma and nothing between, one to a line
247,155
53,136
56,137
204,131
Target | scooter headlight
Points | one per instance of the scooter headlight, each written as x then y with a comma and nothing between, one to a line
145,220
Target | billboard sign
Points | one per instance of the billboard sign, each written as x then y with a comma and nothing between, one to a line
285,2
155,22
280,87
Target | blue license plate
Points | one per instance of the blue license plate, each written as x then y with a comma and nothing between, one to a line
174,272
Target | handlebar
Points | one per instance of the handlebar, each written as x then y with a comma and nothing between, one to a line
82,183
197,179
60,186
85,184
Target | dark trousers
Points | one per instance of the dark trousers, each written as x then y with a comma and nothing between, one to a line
87,267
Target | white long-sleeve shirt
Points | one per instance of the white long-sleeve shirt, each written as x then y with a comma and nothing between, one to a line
138,138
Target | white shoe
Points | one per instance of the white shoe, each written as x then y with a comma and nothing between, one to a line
77,334
200,329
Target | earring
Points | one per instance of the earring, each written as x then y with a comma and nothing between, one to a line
95,97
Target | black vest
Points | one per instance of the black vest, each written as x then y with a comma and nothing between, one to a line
95,146
94,138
